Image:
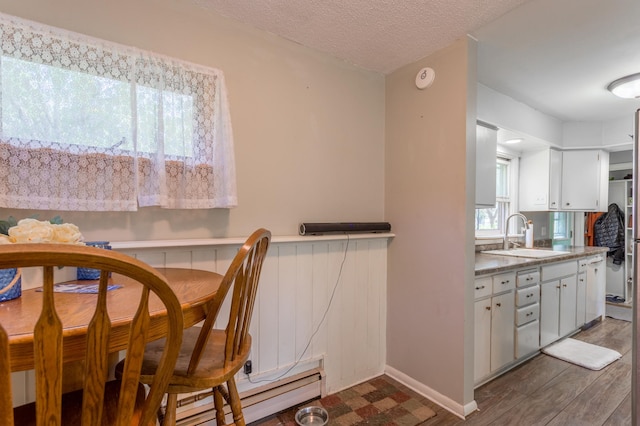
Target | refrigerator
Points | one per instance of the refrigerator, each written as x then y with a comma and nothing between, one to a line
635,372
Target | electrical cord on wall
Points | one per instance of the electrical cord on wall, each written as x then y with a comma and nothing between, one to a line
324,316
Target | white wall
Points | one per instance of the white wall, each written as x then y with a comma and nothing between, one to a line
510,114
309,129
613,135
430,196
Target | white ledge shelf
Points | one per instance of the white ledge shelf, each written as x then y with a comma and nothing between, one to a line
124,245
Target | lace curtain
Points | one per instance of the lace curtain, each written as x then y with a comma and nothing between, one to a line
91,125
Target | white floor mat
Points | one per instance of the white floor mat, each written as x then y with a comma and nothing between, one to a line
584,354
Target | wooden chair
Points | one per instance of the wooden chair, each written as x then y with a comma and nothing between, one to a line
99,402
210,357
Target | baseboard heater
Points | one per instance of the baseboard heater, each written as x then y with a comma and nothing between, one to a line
257,403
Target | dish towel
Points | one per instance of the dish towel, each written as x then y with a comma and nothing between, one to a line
581,353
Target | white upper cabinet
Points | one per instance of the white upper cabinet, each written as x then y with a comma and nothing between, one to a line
585,176
575,180
540,180
486,144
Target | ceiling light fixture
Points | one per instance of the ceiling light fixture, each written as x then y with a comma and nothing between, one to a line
512,141
626,87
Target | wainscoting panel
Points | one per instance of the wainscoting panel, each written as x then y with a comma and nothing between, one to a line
319,299
321,304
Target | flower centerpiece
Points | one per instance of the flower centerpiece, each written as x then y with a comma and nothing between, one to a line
31,230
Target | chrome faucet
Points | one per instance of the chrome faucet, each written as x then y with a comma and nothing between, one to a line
505,244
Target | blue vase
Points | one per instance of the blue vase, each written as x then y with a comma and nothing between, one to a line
10,284
90,273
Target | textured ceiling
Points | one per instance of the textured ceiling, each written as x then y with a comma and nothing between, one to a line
378,35
557,56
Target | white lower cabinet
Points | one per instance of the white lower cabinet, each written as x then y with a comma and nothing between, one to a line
558,301
596,288
581,299
520,311
482,342
528,339
527,332
568,305
494,320
502,330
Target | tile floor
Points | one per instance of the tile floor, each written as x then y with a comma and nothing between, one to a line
379,401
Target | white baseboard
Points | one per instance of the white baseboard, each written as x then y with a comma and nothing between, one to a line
445,402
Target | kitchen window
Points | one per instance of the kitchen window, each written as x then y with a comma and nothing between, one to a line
490,221
561,228
89,125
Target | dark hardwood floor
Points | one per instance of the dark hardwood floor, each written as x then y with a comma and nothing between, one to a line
544,390
548,391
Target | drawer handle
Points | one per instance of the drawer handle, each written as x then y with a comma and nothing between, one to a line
529,278
529,314
480,287
505,282
581,280
529,295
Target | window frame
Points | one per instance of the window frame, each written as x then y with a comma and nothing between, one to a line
513,160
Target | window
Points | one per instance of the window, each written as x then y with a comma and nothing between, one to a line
88,110
91,125
490,221
561,227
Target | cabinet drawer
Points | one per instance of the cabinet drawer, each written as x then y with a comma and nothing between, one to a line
582,264
527,296
526,278
504,282
527,314
527,339
558,270
482,287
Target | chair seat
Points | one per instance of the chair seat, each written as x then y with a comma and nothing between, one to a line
25,415
210,372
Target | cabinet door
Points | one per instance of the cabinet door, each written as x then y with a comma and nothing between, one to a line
502,330
549,312
580,180
482,343
568,305
486,144
533,193
595,298
527,339
555,178
581,300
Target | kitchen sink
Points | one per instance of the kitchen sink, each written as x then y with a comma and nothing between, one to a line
527,252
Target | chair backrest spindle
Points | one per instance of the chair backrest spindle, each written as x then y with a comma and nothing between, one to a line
242,275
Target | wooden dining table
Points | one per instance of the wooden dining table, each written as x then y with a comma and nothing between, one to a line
194,288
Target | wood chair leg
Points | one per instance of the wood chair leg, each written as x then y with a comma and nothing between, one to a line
218,402
170,413
236,406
